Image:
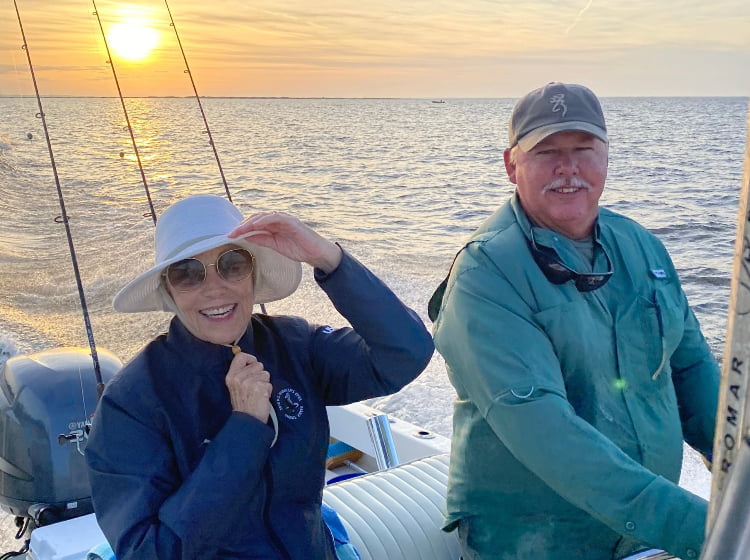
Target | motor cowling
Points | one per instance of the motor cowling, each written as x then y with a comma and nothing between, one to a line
47,401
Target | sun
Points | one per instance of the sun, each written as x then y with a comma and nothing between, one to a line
132,40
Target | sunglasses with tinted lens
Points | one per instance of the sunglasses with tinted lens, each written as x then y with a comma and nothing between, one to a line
556,272
188,274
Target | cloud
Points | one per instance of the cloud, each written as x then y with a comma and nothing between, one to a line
579,16
243,47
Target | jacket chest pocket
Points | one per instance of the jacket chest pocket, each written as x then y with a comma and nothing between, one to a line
652,330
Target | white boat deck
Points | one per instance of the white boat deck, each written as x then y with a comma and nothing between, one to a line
408,528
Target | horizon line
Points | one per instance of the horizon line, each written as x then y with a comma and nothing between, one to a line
60,96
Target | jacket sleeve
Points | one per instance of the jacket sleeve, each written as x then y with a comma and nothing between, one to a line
696,379
518,387
590,472
144,508
386,347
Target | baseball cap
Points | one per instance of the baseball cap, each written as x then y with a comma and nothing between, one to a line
555,107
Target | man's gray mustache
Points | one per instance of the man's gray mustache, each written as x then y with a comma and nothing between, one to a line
563,182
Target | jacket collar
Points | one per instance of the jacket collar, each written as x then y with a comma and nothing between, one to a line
203,354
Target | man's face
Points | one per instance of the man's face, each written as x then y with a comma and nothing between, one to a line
560,181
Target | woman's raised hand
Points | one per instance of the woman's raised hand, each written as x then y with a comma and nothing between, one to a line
288,236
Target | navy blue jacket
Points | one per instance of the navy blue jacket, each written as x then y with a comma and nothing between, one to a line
176,474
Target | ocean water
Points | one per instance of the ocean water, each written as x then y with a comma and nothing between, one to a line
400,183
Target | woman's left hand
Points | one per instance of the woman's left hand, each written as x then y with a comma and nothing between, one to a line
288,236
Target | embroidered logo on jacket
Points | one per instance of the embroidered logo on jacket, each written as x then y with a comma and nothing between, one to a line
289,403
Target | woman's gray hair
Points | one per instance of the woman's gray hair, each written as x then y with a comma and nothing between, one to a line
166,297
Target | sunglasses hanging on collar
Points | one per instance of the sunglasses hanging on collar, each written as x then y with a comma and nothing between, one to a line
557,272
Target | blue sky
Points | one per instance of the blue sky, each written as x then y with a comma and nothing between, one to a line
332,48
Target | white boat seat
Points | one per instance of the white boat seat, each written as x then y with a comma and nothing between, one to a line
397,514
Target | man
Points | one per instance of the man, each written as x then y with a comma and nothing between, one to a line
578,364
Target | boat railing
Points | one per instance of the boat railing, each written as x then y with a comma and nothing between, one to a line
382,440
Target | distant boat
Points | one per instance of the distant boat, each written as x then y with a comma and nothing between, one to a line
438,101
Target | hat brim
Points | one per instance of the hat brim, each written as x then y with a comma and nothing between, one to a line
533,138
276,276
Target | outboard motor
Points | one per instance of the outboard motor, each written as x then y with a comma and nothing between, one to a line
47,401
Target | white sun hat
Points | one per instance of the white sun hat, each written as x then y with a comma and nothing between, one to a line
191,226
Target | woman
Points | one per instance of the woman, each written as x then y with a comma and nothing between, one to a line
211,442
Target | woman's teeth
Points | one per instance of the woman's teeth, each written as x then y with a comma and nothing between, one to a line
218,312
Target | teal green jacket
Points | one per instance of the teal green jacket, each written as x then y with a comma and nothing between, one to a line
572,407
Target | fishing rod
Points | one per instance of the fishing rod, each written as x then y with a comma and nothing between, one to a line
203,113
198,99
64,217
111,63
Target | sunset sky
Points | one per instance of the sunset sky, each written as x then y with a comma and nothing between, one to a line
389,48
